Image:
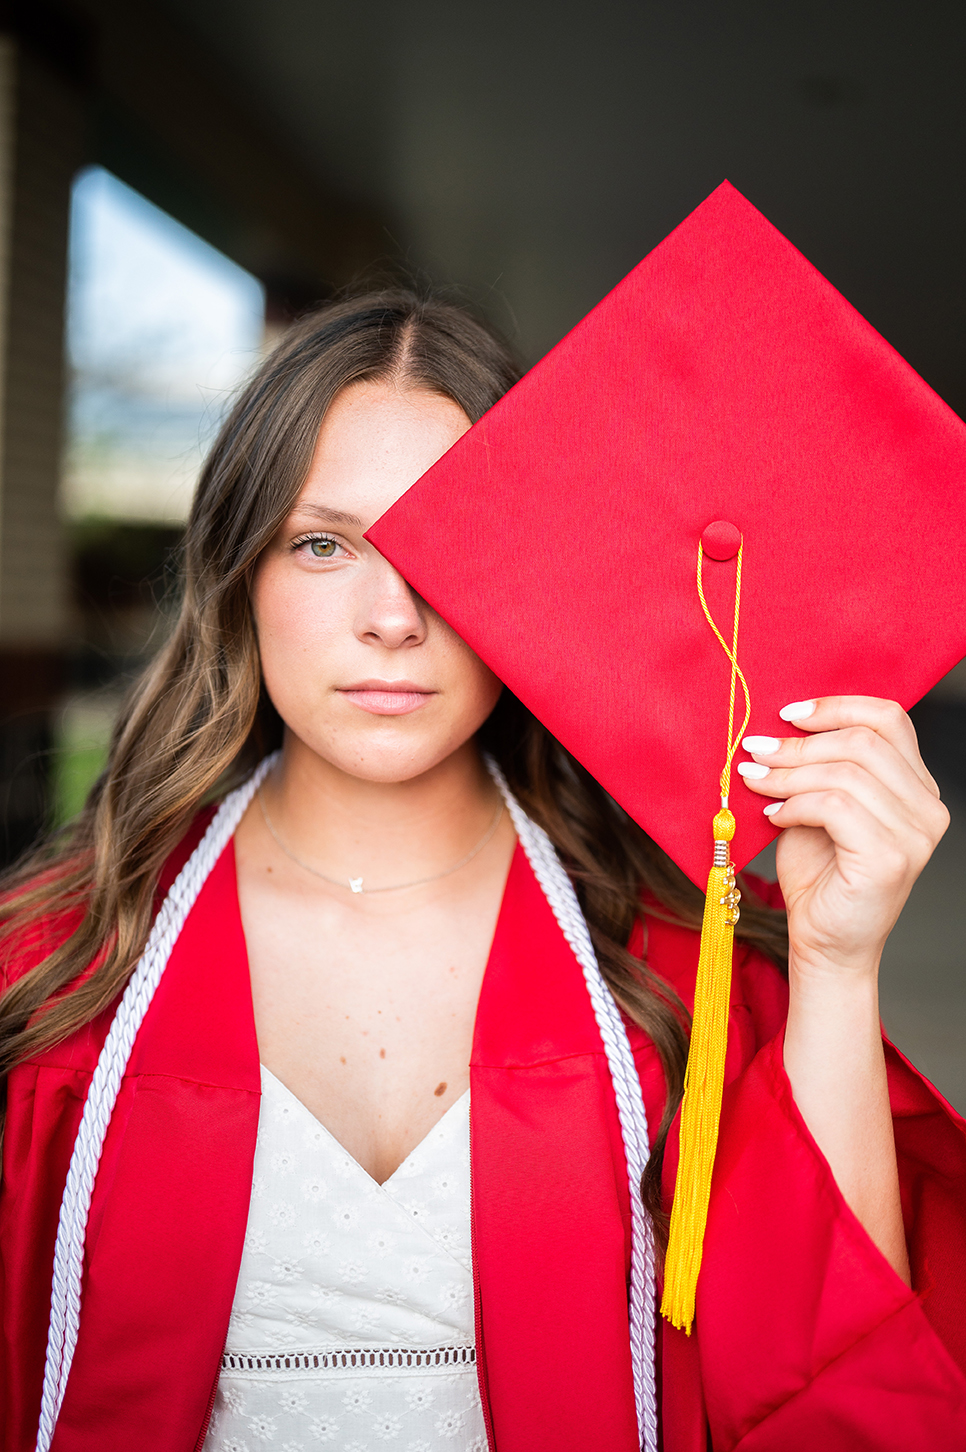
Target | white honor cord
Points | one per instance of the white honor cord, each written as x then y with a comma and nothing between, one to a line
65,1299
559,892
106,1082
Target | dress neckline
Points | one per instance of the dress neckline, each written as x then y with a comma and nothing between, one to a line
398,1171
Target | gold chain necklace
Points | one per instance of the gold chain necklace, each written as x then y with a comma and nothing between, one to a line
355,883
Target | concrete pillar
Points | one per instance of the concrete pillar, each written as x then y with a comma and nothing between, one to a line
41,139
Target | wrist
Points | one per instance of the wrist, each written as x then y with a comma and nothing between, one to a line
833,1030
832,1008
856,973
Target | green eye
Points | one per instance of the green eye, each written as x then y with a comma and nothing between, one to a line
323,549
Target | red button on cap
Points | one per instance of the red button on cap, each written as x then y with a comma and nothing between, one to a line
721,540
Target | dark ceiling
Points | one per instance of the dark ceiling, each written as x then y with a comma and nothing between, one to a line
534,151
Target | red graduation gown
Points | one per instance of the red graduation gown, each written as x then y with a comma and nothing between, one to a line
804,1336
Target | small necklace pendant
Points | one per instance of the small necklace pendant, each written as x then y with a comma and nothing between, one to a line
355,883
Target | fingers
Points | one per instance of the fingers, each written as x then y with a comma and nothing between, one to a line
853,829
886,719
850,747
861,749
917,822
856,784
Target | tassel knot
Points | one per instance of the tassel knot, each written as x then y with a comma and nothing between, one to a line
723,826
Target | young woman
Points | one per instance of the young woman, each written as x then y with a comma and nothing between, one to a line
293,1239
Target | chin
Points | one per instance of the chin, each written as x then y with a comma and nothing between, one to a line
388,761
387,768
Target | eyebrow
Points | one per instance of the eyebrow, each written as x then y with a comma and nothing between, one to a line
327,515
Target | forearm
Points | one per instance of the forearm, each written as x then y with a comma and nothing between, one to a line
836,1066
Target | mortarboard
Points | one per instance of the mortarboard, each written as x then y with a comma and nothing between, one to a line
725,391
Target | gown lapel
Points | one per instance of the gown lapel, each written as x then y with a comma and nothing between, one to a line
550,1196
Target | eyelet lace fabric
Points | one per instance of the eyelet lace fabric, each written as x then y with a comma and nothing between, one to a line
352,1327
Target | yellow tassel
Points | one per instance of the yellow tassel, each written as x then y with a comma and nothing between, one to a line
704,1081
704,1076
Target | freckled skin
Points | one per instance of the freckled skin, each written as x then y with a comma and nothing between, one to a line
386,798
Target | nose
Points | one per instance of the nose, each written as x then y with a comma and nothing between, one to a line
389,612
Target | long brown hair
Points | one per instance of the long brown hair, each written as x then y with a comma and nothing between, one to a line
199,718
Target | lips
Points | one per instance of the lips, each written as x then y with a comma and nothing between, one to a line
387,698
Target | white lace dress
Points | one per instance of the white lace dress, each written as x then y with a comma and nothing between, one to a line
352,1327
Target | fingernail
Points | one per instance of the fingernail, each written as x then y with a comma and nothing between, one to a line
797,711
761,745
772,808
753,770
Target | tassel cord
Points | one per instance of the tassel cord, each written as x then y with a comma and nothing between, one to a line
704,1075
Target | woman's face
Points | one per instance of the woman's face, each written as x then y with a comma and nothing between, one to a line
360,669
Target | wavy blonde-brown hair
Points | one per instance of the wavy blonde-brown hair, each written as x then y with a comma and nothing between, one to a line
199,718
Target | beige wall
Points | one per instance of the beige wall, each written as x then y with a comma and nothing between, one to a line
40,147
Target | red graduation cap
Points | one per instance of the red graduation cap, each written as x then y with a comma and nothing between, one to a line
723,415
724,380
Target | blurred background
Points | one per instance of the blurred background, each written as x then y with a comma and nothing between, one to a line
179,178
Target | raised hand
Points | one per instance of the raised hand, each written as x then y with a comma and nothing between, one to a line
862,818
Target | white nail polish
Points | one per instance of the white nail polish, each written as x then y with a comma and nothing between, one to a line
772,808
761,745
753,770
797,711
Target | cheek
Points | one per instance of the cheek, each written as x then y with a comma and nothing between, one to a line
478,689
301,639
288,618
